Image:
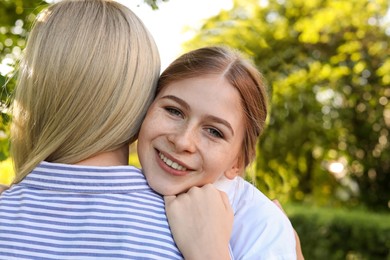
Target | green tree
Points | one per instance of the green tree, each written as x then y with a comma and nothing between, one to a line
15,19
327,63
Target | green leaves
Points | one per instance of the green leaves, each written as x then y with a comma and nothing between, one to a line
327,67
15,19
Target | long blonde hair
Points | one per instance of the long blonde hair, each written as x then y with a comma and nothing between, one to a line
87,78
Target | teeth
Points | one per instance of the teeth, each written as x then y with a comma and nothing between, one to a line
172,164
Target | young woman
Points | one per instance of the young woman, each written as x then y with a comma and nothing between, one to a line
202,128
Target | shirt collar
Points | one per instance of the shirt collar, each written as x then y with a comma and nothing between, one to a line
87,179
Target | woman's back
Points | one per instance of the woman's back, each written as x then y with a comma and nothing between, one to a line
62,211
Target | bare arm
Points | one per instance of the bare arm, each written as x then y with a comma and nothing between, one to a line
201,221
297,240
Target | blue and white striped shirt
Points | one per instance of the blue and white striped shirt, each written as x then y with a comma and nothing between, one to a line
62,211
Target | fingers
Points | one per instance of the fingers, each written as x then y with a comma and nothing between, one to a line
169,199
199,209
226,202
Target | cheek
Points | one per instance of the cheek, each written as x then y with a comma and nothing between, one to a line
217,163
150,123
146,134
226,158
142,136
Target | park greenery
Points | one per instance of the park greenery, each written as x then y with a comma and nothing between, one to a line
334,234
327,66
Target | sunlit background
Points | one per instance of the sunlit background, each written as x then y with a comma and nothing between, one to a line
325,152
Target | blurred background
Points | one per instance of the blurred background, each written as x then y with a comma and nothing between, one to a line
325,152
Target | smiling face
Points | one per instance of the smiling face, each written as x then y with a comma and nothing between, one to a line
192,134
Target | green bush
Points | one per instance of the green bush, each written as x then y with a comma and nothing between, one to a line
328,233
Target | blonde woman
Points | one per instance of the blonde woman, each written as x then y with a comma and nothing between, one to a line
86,80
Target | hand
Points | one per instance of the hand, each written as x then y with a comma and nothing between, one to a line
201,221
297,240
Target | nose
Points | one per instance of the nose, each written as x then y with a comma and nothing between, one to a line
184,139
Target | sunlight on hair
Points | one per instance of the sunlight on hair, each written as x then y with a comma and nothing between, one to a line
17,106
27,70
250,173
42,16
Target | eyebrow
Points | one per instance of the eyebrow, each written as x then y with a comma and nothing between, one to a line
209,117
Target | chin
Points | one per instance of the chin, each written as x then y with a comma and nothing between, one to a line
164,191
161,190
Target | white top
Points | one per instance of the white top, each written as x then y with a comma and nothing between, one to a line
260,229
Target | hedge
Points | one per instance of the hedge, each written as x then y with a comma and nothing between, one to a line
327,233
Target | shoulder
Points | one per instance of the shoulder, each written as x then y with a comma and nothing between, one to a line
260,230
245,196
250,203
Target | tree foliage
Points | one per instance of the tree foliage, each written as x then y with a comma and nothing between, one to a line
15,19
327,63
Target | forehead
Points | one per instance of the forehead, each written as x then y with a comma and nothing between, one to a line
211,88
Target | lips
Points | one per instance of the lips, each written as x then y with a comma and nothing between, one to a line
170,163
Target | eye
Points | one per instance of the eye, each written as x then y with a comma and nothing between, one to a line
215,132
174,111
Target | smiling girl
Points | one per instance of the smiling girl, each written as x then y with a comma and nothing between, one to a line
202,128
192,134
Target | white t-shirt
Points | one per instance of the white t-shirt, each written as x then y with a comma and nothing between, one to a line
260,229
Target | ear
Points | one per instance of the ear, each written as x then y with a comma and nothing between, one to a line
231,173
234,170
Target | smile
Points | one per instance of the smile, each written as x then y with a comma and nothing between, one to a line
172,164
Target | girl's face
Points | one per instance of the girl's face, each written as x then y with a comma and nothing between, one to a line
192,135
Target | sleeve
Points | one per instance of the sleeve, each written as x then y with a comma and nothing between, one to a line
260,229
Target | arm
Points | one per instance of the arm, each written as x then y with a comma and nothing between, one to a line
201,221
298,242
261,231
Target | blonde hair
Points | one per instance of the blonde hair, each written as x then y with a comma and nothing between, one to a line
241,74
87,78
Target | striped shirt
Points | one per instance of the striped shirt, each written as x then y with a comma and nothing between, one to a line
62,211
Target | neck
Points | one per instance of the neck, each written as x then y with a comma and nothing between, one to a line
117,157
